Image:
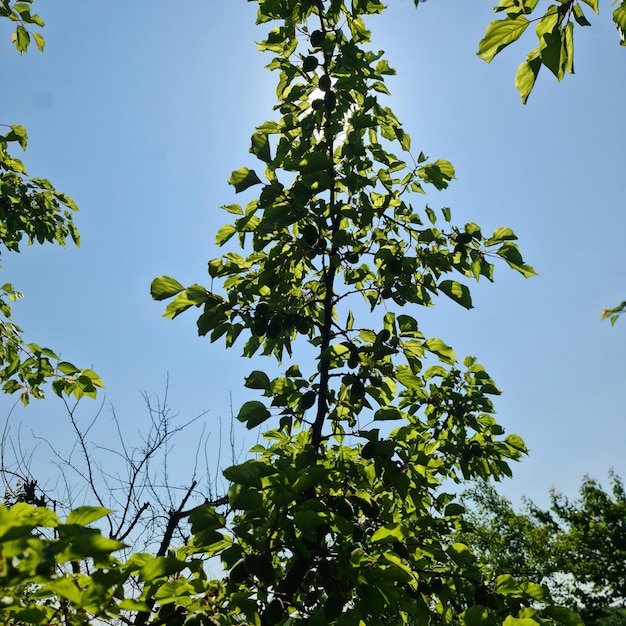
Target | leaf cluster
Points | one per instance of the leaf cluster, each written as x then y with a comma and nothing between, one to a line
555,34
21,15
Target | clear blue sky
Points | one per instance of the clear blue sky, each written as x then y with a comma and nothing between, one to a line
140,111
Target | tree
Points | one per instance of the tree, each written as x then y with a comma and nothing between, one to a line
335,519
31,209
339,519
577,547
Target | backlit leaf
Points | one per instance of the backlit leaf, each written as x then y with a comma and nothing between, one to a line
243,178
165,287
500,34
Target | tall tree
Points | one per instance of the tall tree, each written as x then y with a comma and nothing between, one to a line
342,517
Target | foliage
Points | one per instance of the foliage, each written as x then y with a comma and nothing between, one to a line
342,517
577,547
31,209
555,35
36,548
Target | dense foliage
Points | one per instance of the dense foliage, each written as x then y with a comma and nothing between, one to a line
577,547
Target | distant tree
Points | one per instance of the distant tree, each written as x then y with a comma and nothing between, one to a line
577,547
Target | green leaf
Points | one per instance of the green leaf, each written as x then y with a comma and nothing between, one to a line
406,377
519,621
84,515
161,566
244,498
165,287
224,234
552,52
21,39
248,473
130,604
476,616
538,592
460,554
516,442
243,178
258,380
403,138
253,413
511,254
389,533
593,4
527,74
233,208
501,234
261,147
67,588
438,173
67,368
454,509
19,134
507,585
92,545
579,16
442,350
564,615
619,18
457,291
388,413
499,35
307,519
40,41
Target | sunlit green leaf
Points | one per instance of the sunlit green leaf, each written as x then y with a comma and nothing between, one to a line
442,350
165,287
500,34
457,292
243,178
389,533
84,515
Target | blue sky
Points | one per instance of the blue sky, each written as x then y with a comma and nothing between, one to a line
141,112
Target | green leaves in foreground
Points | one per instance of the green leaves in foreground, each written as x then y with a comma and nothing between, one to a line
555,33
37,553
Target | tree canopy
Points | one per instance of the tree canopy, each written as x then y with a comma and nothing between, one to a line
577,547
